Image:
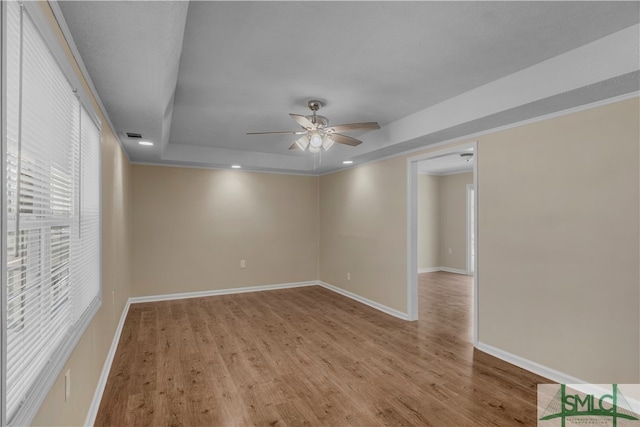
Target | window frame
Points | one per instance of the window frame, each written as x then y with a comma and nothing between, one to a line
42,386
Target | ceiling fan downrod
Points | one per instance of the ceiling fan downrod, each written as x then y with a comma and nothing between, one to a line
318,121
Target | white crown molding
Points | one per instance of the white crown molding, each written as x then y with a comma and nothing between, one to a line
599,61
609,57
476,135
220,168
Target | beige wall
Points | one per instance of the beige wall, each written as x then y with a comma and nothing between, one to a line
363,221
191,228
453,220
558,206
87,360
428,221
558,243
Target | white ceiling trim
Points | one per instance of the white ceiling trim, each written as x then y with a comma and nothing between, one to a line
606,58
476,135
224,157
448,172
609,57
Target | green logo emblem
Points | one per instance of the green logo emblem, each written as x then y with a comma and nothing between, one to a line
584,408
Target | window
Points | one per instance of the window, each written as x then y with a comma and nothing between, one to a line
51,218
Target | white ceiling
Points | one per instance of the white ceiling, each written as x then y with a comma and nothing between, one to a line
195,77
449,163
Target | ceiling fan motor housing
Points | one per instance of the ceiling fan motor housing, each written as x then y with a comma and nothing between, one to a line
321,121
314,104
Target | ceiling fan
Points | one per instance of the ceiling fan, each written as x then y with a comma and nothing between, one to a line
317,133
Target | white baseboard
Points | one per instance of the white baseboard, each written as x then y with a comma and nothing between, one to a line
102,382
553,375
519,361
198,294
447,269
530,366
453,270
428,269
363,300
106,368
370,303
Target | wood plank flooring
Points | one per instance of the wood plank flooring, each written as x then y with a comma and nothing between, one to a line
311,357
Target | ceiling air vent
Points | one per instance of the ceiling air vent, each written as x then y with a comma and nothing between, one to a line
134,135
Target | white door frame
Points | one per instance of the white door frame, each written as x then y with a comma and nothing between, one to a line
470,232
412,230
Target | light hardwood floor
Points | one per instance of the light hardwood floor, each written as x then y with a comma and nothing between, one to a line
308,356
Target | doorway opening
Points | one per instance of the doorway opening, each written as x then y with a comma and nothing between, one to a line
448,243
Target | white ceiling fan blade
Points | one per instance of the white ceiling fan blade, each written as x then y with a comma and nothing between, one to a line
353,126
286,132
344,139
303,121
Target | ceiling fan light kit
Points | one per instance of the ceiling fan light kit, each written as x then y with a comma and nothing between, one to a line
302,142
317,133
327,142
315,140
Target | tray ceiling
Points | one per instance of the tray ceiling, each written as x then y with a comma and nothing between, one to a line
195,77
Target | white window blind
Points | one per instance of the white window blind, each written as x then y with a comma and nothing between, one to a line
52,164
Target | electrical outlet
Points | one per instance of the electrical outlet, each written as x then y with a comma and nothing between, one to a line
67,385
243,264
449,250
348,276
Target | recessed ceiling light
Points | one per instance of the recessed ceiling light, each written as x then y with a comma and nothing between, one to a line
235,166
145,143
347,162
